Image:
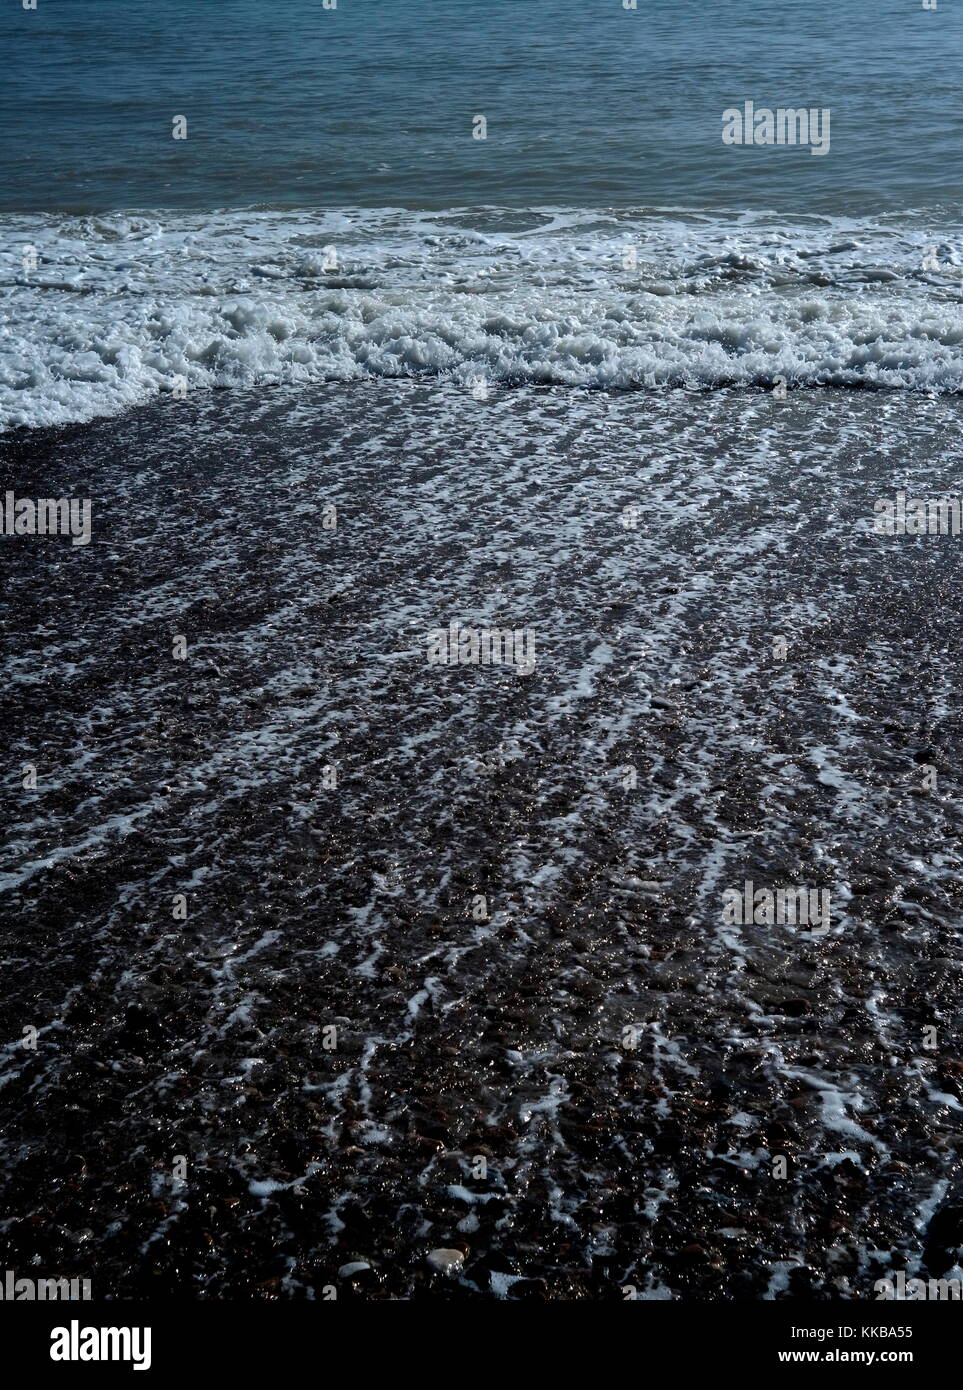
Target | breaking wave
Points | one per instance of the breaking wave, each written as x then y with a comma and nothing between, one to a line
98,314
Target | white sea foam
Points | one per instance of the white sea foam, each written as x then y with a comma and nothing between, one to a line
118,308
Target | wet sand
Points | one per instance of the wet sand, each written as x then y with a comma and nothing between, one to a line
659,754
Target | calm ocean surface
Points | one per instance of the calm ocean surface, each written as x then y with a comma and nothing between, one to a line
330,217
371,104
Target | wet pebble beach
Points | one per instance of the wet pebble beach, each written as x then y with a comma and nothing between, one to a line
354,971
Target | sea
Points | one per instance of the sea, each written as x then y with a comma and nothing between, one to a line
331,212
329,966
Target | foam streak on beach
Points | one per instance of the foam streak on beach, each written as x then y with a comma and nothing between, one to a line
626,1062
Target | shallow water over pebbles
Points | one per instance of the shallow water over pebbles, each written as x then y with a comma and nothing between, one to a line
462,1036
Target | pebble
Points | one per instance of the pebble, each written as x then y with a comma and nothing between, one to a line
446,1261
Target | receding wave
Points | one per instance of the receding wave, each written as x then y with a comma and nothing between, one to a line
99,314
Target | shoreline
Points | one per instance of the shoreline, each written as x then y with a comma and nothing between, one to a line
659,754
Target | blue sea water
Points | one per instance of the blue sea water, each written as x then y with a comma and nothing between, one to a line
289,104
330,215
